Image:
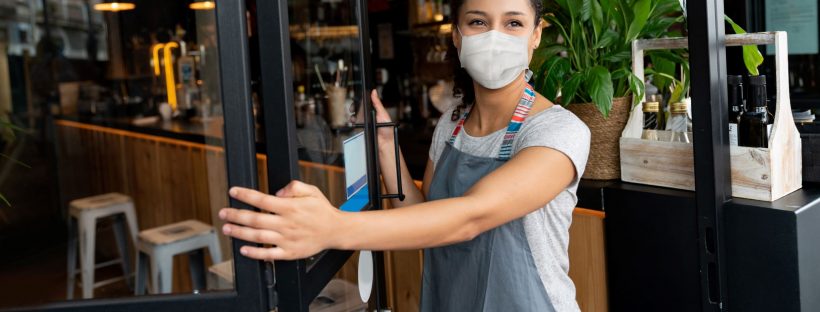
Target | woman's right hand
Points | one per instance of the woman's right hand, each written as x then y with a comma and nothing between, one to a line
385,134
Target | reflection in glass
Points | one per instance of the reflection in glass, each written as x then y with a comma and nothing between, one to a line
113,167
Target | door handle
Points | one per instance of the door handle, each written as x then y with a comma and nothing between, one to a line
395,125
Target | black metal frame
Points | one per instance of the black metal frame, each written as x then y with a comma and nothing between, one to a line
240,154
711,144
295,284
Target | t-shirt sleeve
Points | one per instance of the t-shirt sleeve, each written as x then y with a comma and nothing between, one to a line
562,131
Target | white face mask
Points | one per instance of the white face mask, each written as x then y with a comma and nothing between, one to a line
494,59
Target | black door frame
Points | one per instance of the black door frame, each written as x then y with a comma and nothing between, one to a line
707,53
296,285
240,155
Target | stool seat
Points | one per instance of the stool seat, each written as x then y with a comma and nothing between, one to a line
82,227
175,232
100,201
158,246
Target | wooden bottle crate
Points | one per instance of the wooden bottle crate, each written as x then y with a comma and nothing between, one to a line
765,174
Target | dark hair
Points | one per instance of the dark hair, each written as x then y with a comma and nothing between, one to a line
463,83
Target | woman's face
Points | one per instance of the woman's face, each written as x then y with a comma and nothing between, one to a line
513,17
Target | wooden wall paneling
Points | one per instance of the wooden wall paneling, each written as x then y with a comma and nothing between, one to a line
336,184
217,182
175,183
587,260
146,178
129,170
404,279
199,184
123,155
262,173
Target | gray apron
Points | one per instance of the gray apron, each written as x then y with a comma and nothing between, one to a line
495,271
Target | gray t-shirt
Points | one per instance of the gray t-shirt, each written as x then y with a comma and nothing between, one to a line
547,229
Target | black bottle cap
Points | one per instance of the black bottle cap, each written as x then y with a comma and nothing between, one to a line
734,79
757,80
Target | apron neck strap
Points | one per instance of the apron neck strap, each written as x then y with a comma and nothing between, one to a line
522,110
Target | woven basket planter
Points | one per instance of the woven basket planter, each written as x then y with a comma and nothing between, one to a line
604,155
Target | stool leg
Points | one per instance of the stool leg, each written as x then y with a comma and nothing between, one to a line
72,257
131,219
196,265
161,272
88,233
142,272
214,249
122,245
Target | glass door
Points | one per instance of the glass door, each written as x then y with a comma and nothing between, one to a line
123,124
314,82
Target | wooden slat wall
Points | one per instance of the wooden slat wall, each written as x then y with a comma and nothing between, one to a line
172,181
169,181
587,267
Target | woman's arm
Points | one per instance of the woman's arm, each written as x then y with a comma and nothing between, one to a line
305,223
387,162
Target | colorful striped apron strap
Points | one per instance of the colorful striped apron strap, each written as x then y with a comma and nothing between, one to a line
522,110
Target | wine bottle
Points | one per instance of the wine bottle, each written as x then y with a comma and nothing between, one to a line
753,127
737,104
651,117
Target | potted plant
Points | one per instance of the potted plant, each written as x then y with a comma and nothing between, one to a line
584,64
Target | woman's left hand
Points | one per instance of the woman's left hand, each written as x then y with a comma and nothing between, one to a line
301,225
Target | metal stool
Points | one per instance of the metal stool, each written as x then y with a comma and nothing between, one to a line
84,213
163,243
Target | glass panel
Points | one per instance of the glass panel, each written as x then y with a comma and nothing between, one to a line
112,146
327,81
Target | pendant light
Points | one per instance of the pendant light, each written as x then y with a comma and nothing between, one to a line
114,6
202,5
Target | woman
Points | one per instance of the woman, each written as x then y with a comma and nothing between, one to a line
499,188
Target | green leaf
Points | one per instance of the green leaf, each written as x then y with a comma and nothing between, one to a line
677,93
554,70
599,86
641,11
562,3
570,88
667,7
609,37
738,30
664,67
574,8
545,52
586,9
636,87
6,201
659,27
618,57
11,126
752,57
15,160
597,19
619,74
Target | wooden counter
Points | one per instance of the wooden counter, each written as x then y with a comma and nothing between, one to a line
172,180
